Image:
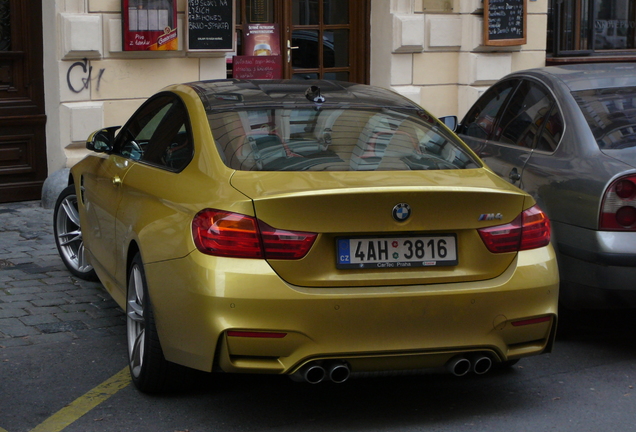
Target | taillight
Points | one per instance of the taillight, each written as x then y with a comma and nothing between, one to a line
618,210
281,244
530,230
228,234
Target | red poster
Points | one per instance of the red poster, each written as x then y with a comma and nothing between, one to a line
257,67
262,40
150,25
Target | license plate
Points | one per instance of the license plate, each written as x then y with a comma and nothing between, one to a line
397,252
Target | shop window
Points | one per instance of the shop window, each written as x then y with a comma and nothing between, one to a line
592,27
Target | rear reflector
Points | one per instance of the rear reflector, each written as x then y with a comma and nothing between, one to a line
251,334
531,321
530,230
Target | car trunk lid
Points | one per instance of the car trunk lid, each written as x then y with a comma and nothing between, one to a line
444,204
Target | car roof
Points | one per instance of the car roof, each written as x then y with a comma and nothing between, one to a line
588,76
232,94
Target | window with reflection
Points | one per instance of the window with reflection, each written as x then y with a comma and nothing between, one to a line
611,115
587,27
338,138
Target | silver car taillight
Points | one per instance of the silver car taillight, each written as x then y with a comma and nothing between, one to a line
618,210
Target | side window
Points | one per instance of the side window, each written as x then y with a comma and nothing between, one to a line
524,115
480,120
552,131
158,134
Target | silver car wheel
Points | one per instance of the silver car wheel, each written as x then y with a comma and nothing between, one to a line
136,327
68,235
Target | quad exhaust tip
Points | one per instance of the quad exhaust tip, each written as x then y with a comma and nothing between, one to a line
338,371
476,363
315,372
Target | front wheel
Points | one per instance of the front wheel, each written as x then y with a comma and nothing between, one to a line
68,235
148,367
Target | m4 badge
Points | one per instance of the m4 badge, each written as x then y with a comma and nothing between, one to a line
490,216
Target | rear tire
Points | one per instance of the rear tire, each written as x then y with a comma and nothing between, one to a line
68,235
148,366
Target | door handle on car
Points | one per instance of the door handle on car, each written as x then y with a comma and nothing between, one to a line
514,175
116,181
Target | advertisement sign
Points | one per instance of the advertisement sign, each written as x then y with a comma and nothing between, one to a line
262,59
262,40
150,25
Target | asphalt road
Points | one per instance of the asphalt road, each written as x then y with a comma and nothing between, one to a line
65,374
587,384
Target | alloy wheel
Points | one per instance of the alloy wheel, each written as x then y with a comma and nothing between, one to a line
136,327
68,235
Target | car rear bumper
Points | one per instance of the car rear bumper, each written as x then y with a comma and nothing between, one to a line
199,299
603,260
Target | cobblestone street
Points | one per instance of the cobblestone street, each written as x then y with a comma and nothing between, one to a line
63,367
40,301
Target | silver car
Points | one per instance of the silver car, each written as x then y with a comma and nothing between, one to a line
567,135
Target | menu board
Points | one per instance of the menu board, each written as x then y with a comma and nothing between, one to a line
210,25
505,22
257,67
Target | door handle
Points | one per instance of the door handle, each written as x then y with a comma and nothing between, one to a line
514,175
289,48
116,181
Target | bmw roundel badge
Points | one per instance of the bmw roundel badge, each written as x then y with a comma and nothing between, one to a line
401,212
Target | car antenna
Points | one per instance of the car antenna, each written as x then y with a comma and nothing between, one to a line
313,94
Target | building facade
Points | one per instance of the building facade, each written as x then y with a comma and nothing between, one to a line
74,77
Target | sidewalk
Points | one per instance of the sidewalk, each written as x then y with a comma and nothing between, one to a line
40,302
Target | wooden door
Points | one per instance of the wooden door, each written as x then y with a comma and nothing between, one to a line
319,38
23,163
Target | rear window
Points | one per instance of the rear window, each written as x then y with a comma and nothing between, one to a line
335,139
611,115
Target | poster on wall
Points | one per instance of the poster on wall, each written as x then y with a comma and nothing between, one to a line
262,59
210,25
150,25
262,40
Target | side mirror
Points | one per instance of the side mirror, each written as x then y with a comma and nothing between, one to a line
450,122
102,140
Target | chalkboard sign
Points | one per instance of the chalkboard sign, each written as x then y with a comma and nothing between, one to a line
210,25
505,22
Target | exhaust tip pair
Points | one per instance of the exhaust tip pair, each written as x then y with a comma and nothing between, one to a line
317,372
477,363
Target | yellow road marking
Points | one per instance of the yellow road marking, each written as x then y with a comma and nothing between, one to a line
84,404
3,430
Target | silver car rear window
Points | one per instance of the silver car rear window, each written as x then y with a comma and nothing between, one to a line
611,115
335,139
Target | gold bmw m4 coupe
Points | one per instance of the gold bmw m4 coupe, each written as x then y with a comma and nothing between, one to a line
319,229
